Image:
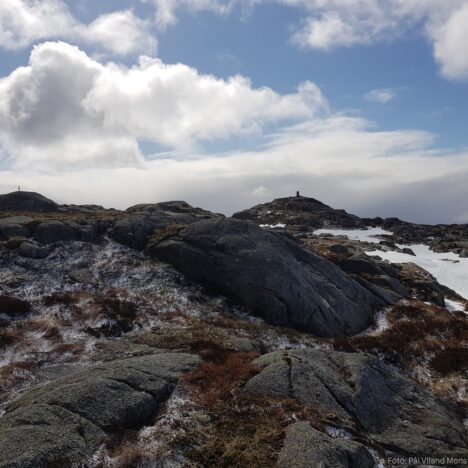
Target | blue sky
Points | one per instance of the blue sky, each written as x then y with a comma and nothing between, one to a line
361,103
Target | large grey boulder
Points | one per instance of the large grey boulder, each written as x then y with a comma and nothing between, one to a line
122,393
305,447
44,435
269,274
54,231
14,226
364,394
65,420
31,249
27,201
135,229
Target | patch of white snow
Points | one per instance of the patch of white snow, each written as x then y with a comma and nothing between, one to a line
448,268
362,235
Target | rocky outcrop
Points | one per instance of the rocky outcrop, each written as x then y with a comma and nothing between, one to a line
135,229
301,213
376,276
41,436
64,421
269,274
305,447
367,397
27,201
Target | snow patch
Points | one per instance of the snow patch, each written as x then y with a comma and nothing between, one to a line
362,235
338,433
455,306
273,226
448,268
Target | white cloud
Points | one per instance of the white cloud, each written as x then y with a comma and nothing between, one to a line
327,24
121,32
338,160
381,96
69,127
450,44
64,109
344,23
166,10
25,22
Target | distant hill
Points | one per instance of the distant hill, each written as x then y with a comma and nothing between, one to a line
27,201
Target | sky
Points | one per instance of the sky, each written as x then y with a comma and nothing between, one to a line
230,103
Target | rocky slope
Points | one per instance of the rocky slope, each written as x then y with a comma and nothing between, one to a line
166,336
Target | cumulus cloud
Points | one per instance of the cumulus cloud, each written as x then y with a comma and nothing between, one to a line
66,109
381,96
25,22
450,40
120,32
344,23
70,127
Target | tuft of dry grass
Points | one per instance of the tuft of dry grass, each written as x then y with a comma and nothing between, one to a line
122,313
449,360
417,332
215,381
59,298
49,328
243,429
10,336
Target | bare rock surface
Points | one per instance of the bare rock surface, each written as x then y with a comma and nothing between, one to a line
366,396
65,419
304,447
271,275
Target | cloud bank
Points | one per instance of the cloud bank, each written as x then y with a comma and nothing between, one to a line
71,127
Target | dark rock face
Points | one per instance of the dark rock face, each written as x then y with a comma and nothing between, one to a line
134,230
27,201
118,394
65,419
379,278
54,231
300,212
366,395
31,249
305,447
271,275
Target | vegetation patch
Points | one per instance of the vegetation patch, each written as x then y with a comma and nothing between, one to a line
9,337
418,333
242,429
161,235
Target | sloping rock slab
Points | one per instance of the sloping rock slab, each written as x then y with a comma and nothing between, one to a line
271,275
43,435
134,230
67,416
305,447
368,395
